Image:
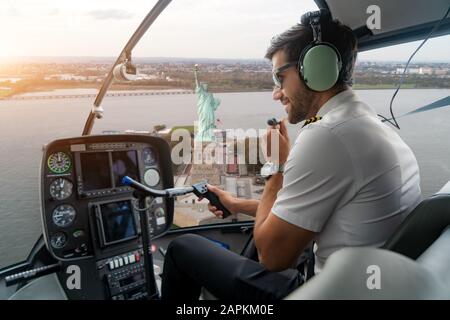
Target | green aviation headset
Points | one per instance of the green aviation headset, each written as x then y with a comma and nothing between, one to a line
319,63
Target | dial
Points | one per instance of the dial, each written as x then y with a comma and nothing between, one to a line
58,240
160,216
159,212
61,189
149,156
63,215
151,177
59,162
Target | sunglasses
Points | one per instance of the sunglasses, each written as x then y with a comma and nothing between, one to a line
276,73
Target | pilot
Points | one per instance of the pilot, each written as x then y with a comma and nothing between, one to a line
347,180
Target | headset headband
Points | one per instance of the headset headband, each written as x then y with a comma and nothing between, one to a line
322,15
319,62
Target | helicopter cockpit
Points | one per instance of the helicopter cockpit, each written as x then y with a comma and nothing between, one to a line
107,205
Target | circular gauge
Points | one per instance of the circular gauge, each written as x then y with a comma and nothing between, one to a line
151,177
159,212
61,189
58,240
149,156
160,216
59,162
63,215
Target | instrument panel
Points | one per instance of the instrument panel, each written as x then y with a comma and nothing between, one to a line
86,211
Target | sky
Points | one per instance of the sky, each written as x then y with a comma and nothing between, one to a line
230,29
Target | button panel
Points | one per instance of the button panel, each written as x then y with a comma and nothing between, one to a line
126,279
93,194
124,275
123,260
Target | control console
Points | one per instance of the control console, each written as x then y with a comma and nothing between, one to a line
89,217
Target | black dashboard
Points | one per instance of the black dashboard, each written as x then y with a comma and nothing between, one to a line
91,219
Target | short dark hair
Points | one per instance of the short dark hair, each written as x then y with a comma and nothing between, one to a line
295,39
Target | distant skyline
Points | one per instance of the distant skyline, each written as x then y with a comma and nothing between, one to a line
231,29
136,59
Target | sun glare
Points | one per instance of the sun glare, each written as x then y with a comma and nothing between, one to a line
4,54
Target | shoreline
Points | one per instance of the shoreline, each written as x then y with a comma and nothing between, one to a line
83,92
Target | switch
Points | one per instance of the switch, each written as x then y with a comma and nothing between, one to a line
78,233
125,260
111,265
83,247
116,263
120,262
132,258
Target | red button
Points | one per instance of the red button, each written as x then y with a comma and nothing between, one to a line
153,248
138,257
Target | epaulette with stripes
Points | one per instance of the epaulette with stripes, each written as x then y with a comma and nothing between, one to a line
311,120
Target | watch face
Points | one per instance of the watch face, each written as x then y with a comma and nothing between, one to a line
268,169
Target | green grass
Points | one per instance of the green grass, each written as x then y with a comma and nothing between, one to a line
5,93
188,128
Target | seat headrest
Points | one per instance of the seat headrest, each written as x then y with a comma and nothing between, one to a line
436,258
347,272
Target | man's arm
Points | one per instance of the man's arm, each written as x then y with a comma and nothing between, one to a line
278,242
247,206
316,181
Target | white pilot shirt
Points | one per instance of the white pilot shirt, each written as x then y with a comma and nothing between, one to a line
349,177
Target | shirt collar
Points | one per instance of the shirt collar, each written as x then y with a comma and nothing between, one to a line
337,100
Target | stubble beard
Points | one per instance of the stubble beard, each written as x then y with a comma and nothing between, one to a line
299,108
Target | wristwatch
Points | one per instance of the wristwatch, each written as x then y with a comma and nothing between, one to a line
270,168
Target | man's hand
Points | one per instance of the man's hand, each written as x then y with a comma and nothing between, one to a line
233,204
283,145
227,200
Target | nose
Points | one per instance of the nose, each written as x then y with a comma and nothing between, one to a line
277,94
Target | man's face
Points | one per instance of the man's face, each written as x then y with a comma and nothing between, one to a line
293,94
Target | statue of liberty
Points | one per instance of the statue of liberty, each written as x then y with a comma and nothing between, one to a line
206,106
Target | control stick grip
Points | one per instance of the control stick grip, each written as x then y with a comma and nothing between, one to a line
201,190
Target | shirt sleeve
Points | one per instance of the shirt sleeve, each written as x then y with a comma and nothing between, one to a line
318,174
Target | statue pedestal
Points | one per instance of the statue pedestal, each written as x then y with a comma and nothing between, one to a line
208,163
209,172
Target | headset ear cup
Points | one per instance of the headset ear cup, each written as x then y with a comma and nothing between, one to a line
321,67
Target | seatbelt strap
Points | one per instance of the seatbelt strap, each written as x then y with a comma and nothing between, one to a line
311,262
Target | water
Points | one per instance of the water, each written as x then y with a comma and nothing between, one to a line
25,126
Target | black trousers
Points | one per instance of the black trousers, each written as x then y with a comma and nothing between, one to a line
193,262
